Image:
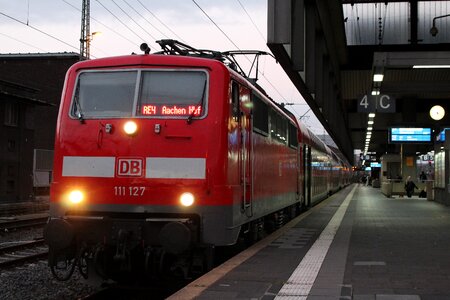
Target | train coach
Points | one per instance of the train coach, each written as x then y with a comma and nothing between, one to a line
161,158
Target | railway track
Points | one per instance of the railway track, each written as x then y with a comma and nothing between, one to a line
23,252
8,224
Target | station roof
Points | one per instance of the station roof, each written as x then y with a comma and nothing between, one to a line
332,49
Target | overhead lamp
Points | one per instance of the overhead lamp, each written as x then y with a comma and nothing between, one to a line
375,93
378,77
431,66
369,128
437,112
372,115
434,31
370,122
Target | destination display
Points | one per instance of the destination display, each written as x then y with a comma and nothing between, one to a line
171,110
409,135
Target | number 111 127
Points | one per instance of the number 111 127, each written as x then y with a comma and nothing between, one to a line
134,191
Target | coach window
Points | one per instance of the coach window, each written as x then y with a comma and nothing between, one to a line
260,116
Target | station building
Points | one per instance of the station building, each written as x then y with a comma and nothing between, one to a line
30,91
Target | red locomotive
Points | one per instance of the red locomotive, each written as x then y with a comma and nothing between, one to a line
160,158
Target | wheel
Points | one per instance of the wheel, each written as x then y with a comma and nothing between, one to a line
63,265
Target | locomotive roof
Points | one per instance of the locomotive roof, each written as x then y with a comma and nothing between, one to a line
147,59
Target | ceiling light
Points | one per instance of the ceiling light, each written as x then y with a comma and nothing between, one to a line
431,66
372,115
378,77
370,122
369,128
375,93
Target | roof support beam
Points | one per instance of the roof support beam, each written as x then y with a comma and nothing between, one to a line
310,50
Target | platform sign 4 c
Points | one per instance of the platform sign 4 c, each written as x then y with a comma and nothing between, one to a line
379,103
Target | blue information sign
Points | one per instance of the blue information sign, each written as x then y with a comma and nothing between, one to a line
410,135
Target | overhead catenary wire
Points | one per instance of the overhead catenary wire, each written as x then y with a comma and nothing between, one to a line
144,18
160,21
253,22
103,24
118,19
20,41
215,24
236,46
134,21
39,30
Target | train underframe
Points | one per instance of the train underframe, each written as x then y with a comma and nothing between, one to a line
127,248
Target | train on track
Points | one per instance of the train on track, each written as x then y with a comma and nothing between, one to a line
160,158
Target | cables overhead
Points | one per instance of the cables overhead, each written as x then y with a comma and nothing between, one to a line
143,17
39,30
103,24
118,19
160,21
237,47
25,43
215,24
134,21
253,22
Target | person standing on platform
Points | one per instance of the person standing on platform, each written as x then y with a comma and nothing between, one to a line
423,176
410,186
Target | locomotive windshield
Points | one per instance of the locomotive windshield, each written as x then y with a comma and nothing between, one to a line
160,93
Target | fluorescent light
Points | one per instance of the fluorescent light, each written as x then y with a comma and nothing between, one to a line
372,115
369,128
375,93
370,122
378,77
430,66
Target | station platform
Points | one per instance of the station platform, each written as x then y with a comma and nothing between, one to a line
357,244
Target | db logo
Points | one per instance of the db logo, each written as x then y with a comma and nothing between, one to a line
130,167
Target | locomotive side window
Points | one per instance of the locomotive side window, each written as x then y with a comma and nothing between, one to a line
293,141
260,116
235,101
172,93
104,94
278,127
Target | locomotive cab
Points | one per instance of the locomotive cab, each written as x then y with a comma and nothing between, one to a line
133,158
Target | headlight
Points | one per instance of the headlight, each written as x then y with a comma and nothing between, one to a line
187,199
76,196
130,127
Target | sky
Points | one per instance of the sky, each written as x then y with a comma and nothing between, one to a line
41,26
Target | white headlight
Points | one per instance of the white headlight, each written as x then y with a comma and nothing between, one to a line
76,196
187,199
130,127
